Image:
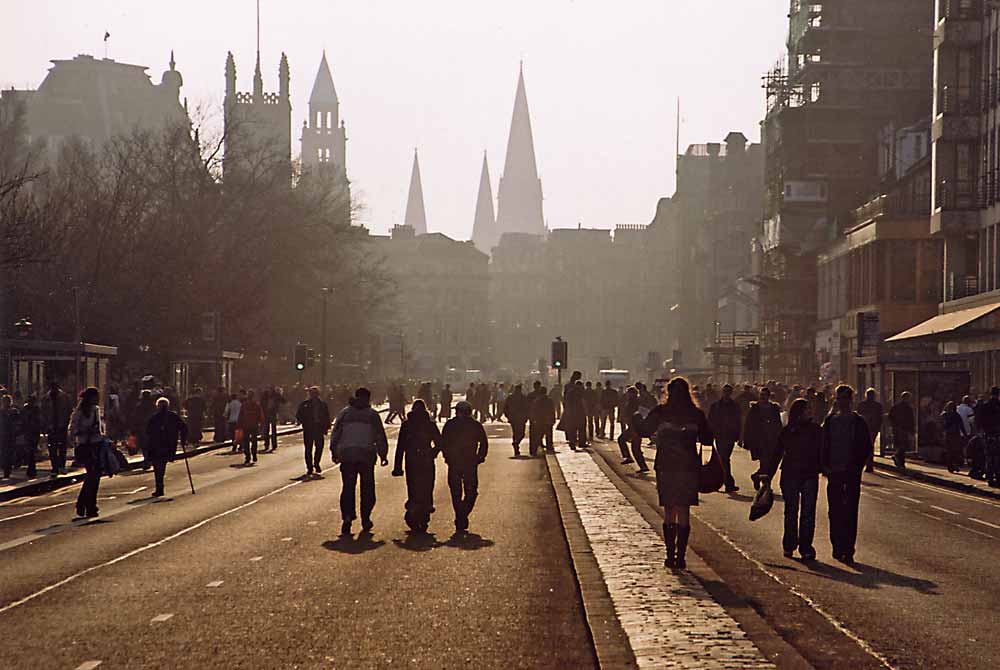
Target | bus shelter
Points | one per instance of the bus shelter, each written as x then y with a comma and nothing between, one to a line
207,368
29,365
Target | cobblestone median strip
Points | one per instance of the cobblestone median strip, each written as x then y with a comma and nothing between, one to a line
670,619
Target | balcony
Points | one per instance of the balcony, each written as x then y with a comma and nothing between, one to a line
961,286
958,110
957,203
959,23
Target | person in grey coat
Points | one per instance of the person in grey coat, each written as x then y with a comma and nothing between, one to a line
357,439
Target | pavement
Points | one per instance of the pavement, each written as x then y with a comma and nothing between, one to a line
934,473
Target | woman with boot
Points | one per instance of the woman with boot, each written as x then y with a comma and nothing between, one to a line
678,425
419,443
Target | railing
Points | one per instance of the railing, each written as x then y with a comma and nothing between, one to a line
959,100
960,9
962,286
894,204
959,194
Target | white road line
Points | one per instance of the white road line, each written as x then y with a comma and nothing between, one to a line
142,549
88,665
944,509
286,539
939,489
160,618
40,509
257,558
931,516
141,488
214,585
312,523
912,500
985,523
973,530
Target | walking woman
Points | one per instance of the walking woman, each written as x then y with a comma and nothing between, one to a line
419,442
679,425
87,436
798,453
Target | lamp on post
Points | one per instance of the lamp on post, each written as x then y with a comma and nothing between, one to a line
23,327
326,290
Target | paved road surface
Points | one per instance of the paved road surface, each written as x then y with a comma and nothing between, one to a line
250,573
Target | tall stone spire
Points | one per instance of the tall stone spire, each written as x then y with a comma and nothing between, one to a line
415,215
484,226
519,195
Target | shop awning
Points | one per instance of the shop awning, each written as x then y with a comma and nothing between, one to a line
946,323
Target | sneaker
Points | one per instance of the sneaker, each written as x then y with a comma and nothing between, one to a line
808,555
157,494
255,458
246,461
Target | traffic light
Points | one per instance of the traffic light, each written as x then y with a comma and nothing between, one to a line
300,357
751,357
560,353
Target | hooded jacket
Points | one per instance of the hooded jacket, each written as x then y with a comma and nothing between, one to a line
358,434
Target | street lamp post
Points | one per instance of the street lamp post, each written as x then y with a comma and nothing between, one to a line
322,347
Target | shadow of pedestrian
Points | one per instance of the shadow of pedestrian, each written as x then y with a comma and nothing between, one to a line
241,465
469,541
348,544
739,497
418,542
870,577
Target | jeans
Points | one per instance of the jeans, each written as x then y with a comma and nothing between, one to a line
463,482
725,449
313,442
843,494
349,475
86,501
250,436
800,513
270,432
159,471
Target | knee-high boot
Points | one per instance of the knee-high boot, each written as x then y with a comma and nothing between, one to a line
683,533
669,538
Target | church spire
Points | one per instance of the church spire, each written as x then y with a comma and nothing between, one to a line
415,215
519,195
258,81
484,225
323,91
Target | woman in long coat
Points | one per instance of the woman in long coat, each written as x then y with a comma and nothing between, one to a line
417,446
679,425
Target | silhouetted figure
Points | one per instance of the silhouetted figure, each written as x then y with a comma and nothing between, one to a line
140,417
87,434
447,399
163,432
417,446
251,421
217,410
798,452
609,403
465,446
357,439
57,407
591,404
724,417
871,411
904,428
845,451
574,418
679,426
542,417
313,415
195,407
955,436
760,431
515,407
30,432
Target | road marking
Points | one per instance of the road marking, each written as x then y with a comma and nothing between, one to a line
973,530
312,523
286,539
939,489
141,488
985,523
944,509
931,516
257,558
912,500
160,618
88,665
214,585
140,550
40,509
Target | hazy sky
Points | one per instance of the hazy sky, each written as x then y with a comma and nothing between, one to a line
602,81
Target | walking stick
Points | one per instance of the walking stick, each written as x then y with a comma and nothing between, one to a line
188,466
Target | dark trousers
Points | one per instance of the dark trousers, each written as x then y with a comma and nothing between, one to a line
800,513
159,471
591,420
725,449
271,432
219,423
539,435
517,428
576,431
640,458
602,420
843,494
250,436
463,482
86,501
349,475
419,495
312,440
57,451
901,443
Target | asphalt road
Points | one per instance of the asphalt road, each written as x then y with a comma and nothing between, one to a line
923,593
251,573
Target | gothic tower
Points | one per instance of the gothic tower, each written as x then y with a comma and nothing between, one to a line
324,137
484,225
415,216
258,125
519,195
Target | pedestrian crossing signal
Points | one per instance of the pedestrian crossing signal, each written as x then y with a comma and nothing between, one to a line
300,357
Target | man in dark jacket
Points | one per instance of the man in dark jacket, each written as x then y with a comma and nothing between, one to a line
143,412
195,406
313,415
516,410
988,423
844,452
465,446
574,418
217,410
871,411
57,407
163,431
761,429
542,416
724,418
357,438
904,427
609,403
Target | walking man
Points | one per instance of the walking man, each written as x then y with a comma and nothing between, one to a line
313,414
870,410
844,453
516,409
163,431
903,428
57,407
724,418
357,438
574,419
609,402
465,445
251,421
542,416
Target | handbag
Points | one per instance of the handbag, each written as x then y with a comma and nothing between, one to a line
762,501
108,458
711,476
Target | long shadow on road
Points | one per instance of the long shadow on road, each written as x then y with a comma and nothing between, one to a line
348,544
866,577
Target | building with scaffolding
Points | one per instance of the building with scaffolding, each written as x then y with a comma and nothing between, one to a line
853,67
